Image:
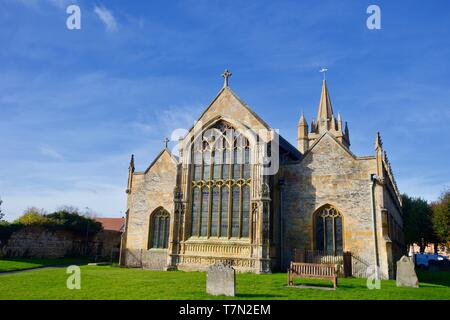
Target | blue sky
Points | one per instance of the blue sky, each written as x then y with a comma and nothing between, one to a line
75,104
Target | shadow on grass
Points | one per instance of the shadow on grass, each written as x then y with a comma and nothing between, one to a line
313,283
441,278
257,296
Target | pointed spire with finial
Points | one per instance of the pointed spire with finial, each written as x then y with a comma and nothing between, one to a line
302,120
130,175
226,74
131,167
339,121
313,126
325,111
302,135
378,141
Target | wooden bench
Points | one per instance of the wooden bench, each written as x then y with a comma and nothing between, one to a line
312,270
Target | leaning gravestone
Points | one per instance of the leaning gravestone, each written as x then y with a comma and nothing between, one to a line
406,275
221,280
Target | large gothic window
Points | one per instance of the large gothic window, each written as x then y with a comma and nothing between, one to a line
328,231
221,181
159,229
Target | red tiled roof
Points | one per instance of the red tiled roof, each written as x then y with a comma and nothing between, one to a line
114,224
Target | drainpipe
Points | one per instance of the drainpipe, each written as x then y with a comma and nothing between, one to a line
281,185
374,179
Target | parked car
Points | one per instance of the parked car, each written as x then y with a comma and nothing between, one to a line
423,259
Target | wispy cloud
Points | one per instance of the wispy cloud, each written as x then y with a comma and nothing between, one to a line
50,152
106,17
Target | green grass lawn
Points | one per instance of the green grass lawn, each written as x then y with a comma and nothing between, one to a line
106,282
23,264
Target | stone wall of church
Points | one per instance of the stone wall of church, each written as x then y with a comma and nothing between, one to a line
149,191
330,175
394,229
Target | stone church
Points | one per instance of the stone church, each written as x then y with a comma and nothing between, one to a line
238,192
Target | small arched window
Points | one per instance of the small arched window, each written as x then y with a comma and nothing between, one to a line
328,230
159,229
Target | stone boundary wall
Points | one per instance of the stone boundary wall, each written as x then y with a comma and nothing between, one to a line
38,242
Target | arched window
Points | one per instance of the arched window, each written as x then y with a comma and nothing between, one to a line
328,230
221,179
159,229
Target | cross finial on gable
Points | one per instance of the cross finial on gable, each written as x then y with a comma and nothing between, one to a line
166,142
226,74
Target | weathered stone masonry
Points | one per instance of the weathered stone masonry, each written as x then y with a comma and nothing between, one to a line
284,210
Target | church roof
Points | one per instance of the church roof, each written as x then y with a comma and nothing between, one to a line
112,224
228,89
284,144
174,158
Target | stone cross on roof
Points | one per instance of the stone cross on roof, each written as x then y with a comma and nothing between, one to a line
226,74
166,142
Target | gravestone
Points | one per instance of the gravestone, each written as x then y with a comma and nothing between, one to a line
406,275
221,280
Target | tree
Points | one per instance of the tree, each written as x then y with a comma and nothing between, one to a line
69,218
417,221
1,213
441,217
33,216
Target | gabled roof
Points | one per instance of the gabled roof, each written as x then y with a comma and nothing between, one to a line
339,143
174,158
283,142
290,149
112,224
228,89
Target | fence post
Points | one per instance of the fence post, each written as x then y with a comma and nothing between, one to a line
347,264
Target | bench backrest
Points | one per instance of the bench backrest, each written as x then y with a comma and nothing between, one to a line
316,269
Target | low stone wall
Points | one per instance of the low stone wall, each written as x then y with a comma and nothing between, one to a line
155,259
108,244
38,242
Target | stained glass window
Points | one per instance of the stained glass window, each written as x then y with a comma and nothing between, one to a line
214,211
224,213
246,172
216,164
328,224
159,229
195,210
245,210
222,165
204,212
235,212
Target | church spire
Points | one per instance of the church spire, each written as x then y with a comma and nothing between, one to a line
325,111
327,122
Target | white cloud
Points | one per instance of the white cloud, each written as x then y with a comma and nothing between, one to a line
50,152
106,17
